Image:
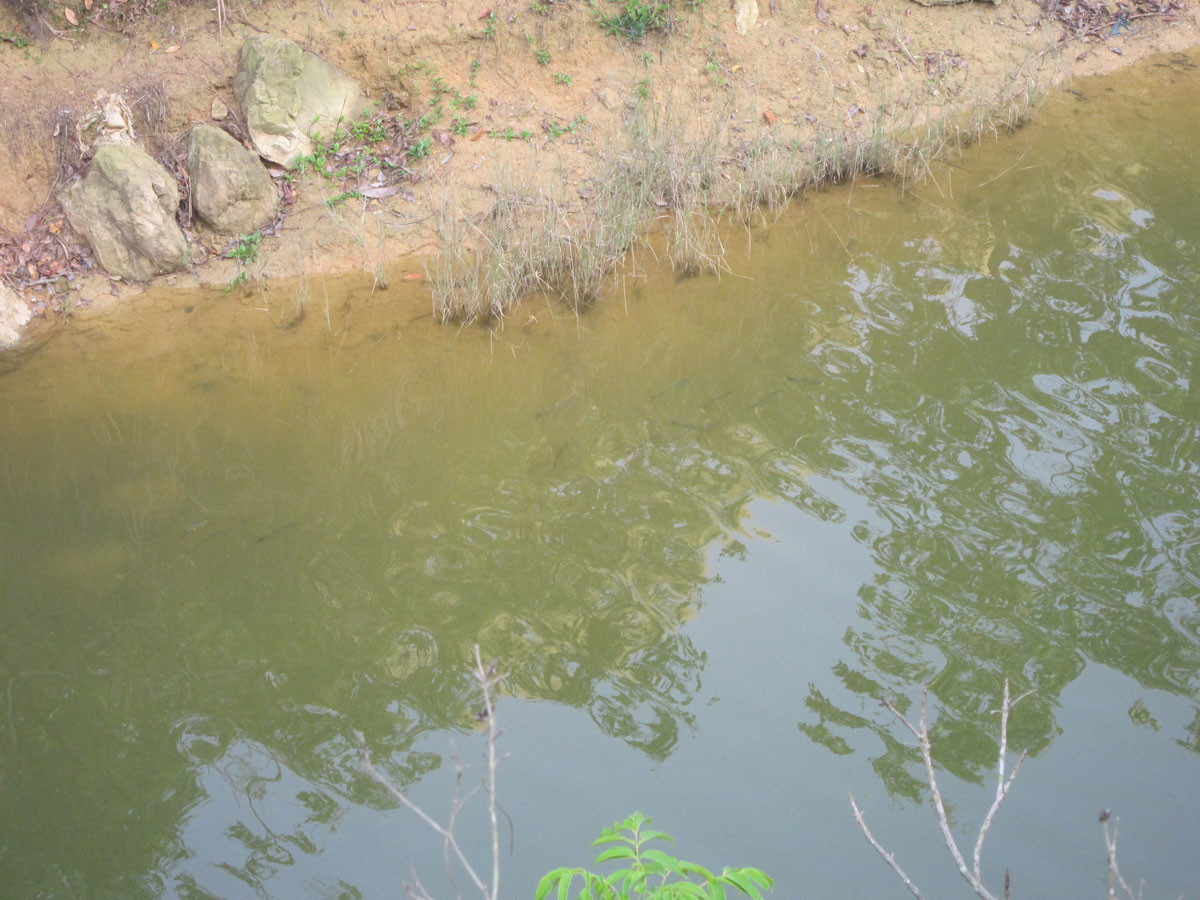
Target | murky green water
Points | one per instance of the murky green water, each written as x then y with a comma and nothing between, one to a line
946,436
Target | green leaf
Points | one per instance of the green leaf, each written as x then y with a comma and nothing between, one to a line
668,863
548,881
598,888
758,876
608,836
656,836
716,890
685,889
635,821
691,868
616,853
739,880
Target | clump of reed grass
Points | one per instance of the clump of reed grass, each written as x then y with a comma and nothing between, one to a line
685,175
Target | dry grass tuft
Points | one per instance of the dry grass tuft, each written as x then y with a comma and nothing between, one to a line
684,176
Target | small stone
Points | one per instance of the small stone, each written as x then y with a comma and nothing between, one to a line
608,98
219,109
14,315
745,15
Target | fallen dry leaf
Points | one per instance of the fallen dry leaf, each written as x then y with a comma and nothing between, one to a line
70,15
172,48
768,117
87,4
477,135
413,276
378,193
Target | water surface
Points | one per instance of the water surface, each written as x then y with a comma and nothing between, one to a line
943,436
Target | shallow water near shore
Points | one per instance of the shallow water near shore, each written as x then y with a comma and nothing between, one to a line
943,436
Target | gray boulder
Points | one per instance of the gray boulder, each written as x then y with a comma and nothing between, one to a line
287,94
231,190
126,207
14,315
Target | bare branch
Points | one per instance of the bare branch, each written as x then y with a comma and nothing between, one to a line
889,858
973,875
447,835
487,678
1115,879
1002,785
940,807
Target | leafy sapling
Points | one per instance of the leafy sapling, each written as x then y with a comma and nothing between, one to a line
648,873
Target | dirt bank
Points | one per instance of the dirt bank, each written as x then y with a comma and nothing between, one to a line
534,94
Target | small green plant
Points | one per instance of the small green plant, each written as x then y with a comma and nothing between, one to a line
342,198
636,19
543,56
459,125
244,250
560,78
650,874
716,73
16,40
555,130
489,30
420,149
641,89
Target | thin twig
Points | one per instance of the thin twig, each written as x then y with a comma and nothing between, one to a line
447,835
1115,878
488,679
889,858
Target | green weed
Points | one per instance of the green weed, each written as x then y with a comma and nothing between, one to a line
245,250
649,873
637,18
419,149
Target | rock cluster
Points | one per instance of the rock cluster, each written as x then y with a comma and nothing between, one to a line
126,205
